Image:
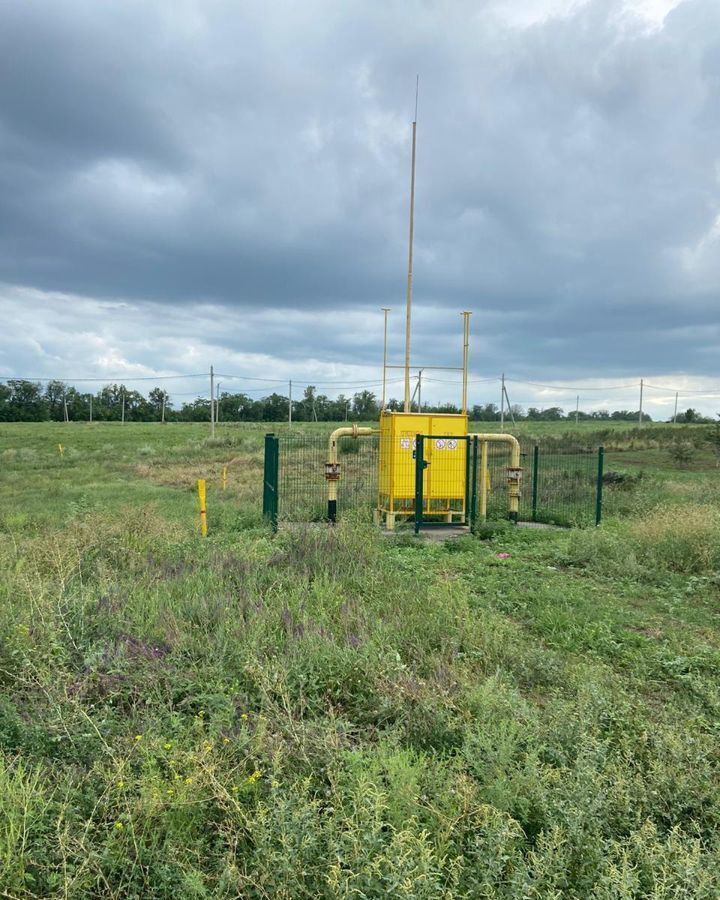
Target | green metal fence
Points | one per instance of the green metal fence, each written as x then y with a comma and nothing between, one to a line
559,486
299,471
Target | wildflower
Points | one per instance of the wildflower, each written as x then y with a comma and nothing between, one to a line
188,781
121,784
503,555
226,740
235,789
244,717
138,737
254,777
118,826
167,745
170,792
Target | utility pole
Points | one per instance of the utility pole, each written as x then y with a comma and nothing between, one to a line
640,414
67,418
122,412
502,403
676,403
509,407
290,403
212,402
162,411
420,371
385,310
408,310
577,408
91,409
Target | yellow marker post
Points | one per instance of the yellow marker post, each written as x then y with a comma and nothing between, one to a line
224,477
61,449
203,512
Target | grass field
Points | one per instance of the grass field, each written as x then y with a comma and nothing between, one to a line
331,713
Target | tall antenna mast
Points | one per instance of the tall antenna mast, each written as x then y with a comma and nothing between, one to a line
408,314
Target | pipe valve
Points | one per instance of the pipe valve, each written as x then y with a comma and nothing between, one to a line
332,471
514,479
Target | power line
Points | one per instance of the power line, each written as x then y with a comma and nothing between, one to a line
708,392
573,387
105,379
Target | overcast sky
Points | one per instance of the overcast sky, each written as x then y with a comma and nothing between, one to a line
204,181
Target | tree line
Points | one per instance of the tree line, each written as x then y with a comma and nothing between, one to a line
30,401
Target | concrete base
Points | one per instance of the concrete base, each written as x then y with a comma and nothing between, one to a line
544,525
434,534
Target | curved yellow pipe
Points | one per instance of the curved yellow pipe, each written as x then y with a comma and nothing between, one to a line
514,469
332,467
505,439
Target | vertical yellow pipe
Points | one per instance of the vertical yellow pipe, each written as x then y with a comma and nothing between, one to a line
466,346
224,477
408,309
203,512
61,450
385,310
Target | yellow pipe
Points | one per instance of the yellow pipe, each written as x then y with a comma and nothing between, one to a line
332,467
466,341
514,472
483,480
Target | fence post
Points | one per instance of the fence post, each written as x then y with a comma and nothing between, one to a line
536,464
270,480
599,493
473,485
419,469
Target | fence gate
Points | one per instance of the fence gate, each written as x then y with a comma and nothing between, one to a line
445,480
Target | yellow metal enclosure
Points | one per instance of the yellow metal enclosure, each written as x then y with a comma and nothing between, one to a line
445,474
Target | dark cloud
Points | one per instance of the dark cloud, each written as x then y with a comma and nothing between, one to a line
254,161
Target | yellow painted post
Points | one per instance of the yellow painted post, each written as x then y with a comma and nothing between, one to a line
224,477
203,512
483,480
61,449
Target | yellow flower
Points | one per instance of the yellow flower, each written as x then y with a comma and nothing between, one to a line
188,781
235,789
119,826
167,746
170,791
244,717
226,740
121,784
138,737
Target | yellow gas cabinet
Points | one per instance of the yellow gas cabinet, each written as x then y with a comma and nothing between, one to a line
445,474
